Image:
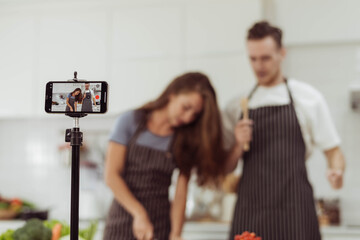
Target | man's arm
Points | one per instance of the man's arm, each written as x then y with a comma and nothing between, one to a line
243,134
233,157
336,164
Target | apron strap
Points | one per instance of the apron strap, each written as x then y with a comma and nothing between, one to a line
288,89
252,91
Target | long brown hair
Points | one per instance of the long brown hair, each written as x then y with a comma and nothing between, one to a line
198,145
78,98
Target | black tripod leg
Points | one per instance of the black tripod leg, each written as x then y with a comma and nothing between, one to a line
74,218
76,140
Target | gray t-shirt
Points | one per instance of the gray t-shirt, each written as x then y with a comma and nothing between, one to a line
125,127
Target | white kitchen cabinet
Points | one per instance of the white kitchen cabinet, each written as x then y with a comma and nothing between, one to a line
320,21
16,64
219,27
134,83
137,47
147,32
230,74
40,46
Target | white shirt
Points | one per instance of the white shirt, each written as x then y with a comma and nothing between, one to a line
315,121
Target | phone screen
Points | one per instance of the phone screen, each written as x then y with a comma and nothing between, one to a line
81,97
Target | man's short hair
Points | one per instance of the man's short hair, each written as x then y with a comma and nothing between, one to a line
264,29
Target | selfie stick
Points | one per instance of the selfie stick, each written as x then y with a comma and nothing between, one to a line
75,137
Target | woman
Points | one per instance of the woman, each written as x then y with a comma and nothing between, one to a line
181,128
72,99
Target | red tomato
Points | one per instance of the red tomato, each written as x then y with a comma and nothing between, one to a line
247,236
16,201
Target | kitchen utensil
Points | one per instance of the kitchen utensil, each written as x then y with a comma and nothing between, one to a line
245,110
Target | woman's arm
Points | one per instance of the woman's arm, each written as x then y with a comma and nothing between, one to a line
114,166
178,207
67,102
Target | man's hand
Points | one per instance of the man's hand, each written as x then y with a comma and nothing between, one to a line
336,169
335,177
243,131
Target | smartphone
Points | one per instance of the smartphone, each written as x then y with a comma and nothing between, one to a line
76,97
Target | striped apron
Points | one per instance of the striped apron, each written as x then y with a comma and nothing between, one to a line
275,198
72,104
87,104
148,174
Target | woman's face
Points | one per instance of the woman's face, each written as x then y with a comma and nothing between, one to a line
76,93
184,108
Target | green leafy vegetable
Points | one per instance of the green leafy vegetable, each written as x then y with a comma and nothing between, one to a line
89,232
34,229
8,235
65,228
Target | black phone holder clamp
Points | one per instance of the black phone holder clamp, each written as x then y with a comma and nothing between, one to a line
75,137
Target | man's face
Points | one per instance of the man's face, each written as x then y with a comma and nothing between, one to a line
87,86
265,58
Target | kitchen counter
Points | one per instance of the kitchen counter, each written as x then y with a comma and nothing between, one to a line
219,231
212,230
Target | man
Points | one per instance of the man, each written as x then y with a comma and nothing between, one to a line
88,99
287,119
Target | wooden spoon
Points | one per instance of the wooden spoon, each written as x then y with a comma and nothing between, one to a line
245,110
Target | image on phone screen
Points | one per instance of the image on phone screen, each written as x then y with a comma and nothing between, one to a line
82,97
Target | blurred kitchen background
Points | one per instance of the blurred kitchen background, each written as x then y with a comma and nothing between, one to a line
138,46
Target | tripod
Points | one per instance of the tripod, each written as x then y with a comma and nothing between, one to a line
75,137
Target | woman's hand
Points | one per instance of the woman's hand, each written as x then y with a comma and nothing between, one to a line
243,131
335,177
175,237
71,109
142,227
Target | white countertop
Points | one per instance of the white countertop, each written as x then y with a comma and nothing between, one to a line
213,230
